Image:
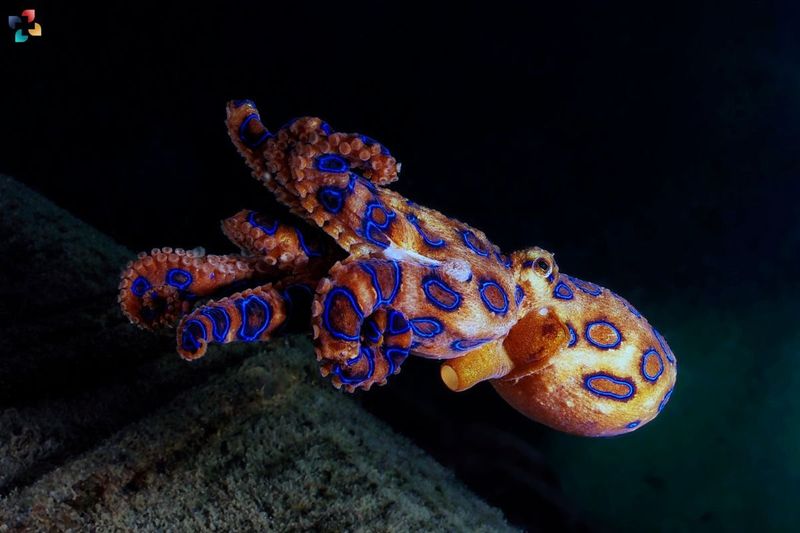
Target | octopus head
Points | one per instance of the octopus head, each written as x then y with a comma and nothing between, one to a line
585,361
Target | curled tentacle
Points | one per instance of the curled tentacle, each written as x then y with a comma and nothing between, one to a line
248,316
159,287
361,339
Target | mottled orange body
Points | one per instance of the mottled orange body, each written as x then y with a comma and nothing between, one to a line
409,280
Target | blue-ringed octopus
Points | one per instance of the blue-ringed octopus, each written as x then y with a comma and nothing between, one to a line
404,279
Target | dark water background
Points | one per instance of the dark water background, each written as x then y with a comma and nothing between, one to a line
654,149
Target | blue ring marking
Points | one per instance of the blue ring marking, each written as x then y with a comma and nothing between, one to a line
331,198
140,286
369,224
302,240
573,337
252,144
397,323
463,345
392,352
633,424
239,103
666,398
550,278
325,127
220,322
488,303
527,264
519,295
174,276
412,218
587,382
586,286
245,304
355,380
588,334
562,291
251,218
426,327
369,140
371,331
426,288
503,259
650,353
327,310
189,338
333,163
664,347
467,235
369,269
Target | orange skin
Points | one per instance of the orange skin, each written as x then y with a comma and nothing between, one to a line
407,280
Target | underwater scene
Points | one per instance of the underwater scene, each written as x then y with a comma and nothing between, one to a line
279,267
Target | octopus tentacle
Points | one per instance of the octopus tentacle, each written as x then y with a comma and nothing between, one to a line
159,287
285,246
361,339
248,316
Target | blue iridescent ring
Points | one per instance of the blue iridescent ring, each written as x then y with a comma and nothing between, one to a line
333,163
355,380
589,383
140,286
649,354
220,322
190,335
562,291
426,327
600,344
468,236
370,225
327,311
382,300
178,278
433,282
243,132
488,284
463,345
438,243
573,337
519,295
251,219
246,306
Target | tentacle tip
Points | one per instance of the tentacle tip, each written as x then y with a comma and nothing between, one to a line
187,355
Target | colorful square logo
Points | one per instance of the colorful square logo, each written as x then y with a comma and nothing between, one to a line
28,29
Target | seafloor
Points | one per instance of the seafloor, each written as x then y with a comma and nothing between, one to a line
101,428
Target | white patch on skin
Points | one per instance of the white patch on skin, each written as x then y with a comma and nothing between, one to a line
458,269
543,311
404,255
604,408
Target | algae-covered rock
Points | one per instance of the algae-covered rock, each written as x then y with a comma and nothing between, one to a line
103,427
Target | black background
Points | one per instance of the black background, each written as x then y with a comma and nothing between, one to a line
653,148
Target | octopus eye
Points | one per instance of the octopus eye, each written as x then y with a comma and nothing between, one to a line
543,267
